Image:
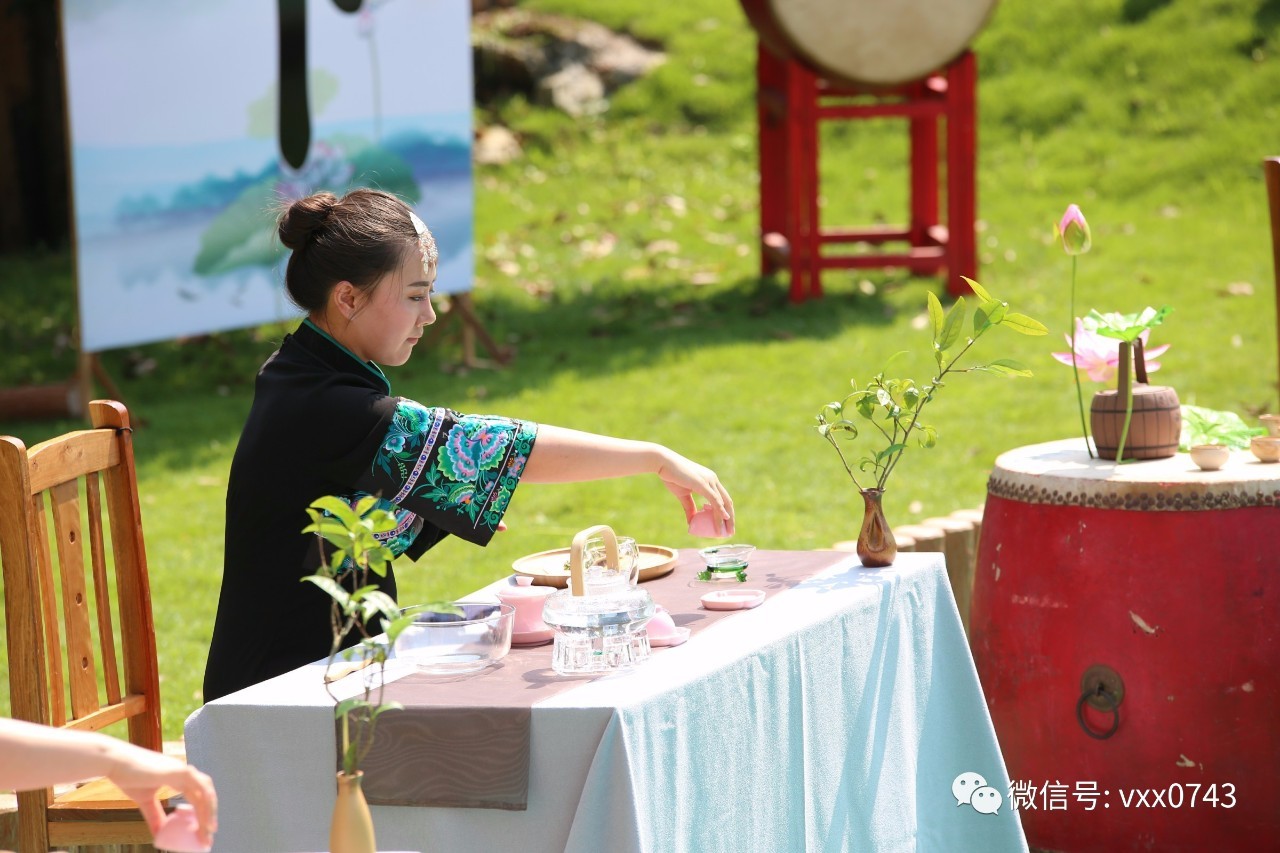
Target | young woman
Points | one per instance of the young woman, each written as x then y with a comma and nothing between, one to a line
324,421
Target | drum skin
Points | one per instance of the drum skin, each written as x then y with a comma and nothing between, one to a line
869,43
1184,606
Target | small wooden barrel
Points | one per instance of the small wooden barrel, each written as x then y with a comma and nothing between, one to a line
1153,427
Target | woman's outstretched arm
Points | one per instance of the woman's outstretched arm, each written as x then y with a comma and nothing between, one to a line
34,756
563,455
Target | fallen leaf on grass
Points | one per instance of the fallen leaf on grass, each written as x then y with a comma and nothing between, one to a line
662,246
601,248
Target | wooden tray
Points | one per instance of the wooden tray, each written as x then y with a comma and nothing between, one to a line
550,568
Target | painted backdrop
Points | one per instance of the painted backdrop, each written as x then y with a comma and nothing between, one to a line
178,168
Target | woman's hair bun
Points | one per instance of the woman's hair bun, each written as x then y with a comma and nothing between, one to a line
304,217
359,238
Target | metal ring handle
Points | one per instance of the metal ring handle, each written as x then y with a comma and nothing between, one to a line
1102,692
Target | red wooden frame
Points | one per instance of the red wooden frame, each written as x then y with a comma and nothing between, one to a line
792,100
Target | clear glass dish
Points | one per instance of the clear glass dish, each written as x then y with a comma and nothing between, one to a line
448,643
725,562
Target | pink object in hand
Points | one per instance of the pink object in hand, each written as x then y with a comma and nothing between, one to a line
707,523
179,832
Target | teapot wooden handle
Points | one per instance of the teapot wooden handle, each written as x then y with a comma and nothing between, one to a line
577,585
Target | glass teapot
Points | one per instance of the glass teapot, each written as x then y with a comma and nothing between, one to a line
600,630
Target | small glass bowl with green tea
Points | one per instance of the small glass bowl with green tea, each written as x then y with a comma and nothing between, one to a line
725,562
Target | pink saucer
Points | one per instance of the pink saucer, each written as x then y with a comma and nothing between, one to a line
533,638
675,638
733,599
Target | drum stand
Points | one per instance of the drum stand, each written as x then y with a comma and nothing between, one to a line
460,308
792,100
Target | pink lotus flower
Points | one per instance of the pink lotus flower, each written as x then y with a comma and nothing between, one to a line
1099,356
1073,230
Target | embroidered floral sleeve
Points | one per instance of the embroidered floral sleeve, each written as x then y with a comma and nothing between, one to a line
456,471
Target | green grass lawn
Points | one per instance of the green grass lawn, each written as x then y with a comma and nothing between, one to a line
619,259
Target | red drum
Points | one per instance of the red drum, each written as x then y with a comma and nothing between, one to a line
1126,628
871,42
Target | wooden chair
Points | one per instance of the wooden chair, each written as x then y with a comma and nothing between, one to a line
82,649
1271,171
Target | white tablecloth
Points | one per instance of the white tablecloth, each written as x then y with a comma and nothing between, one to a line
833,717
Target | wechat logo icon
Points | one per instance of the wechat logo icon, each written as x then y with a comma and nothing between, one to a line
971,789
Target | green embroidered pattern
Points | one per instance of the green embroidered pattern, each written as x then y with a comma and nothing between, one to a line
467,465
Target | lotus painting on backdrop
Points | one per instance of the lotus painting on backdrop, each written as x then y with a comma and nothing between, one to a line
192,123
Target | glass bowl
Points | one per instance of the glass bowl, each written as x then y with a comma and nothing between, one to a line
725,562
449,643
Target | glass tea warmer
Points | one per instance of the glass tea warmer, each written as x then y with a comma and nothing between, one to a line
599,620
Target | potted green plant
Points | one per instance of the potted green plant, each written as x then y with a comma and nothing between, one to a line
1111,413
887,410
360,609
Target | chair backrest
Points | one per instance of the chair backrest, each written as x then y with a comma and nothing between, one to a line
82,651
1271,172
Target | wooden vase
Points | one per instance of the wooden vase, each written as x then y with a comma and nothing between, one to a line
876,546
352,828
1155,421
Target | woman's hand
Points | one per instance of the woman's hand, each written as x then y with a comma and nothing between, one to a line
140,773
684,478
40,756
563,455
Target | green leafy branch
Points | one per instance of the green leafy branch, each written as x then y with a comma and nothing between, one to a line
890,408
360,607
1209,426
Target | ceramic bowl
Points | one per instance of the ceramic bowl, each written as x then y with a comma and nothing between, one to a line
708,524
1210,457
1272,423
663,630
528,600
1266,447
447,643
